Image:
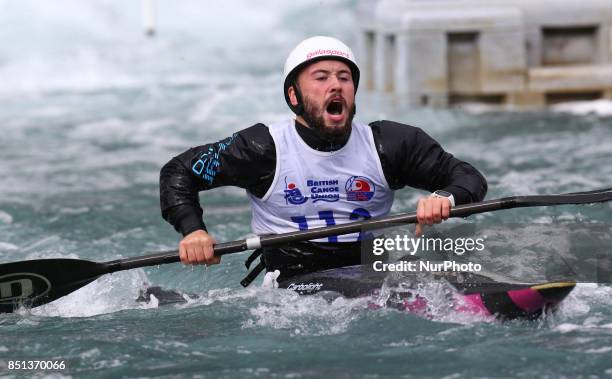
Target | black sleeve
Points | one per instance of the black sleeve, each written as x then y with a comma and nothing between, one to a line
411,157
247,159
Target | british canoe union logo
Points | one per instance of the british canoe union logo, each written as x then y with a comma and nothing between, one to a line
359,188
293,195
323,190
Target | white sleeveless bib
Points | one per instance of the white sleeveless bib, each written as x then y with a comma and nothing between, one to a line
314,189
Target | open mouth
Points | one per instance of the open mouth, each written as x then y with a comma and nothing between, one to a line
335,107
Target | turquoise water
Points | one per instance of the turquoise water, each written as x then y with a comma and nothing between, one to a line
88,121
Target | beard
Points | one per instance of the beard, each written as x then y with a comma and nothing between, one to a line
313,115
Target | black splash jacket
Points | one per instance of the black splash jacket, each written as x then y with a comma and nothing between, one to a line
409,157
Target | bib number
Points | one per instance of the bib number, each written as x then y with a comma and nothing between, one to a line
328,217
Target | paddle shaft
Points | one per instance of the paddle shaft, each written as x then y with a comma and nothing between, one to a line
276,240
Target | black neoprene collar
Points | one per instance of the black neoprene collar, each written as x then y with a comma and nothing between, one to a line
316,141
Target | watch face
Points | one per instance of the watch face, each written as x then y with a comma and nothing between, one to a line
443,193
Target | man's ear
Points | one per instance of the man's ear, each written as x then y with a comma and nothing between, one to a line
292,97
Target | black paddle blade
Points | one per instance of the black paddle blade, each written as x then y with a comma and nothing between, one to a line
37,282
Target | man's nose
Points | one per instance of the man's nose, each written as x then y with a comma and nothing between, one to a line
335,82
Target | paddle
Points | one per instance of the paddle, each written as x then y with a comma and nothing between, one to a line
40,281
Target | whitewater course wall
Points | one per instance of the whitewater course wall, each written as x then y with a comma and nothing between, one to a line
520,53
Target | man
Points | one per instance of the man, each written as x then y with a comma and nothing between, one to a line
319,169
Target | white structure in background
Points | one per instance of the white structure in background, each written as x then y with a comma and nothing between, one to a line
517,52
148,17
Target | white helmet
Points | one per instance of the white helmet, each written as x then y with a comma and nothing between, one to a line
311,50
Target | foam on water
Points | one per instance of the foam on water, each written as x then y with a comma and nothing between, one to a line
5,217
601,108
580,304
102,46
8,246
597,107
304,315
110,293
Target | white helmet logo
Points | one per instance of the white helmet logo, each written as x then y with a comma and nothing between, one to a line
328,52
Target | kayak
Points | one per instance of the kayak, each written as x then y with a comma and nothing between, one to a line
467,293
470,293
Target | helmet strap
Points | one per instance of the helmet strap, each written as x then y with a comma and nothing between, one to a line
299,108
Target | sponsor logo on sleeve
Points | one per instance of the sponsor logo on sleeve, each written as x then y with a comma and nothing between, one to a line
359,188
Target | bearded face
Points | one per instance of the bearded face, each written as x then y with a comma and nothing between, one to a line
314,117
328,97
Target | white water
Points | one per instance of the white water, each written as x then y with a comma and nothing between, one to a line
71,45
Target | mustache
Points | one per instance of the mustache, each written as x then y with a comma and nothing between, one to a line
314,118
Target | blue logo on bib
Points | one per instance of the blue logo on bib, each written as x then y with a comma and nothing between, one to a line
293,195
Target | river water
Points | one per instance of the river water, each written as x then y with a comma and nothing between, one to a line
91,110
